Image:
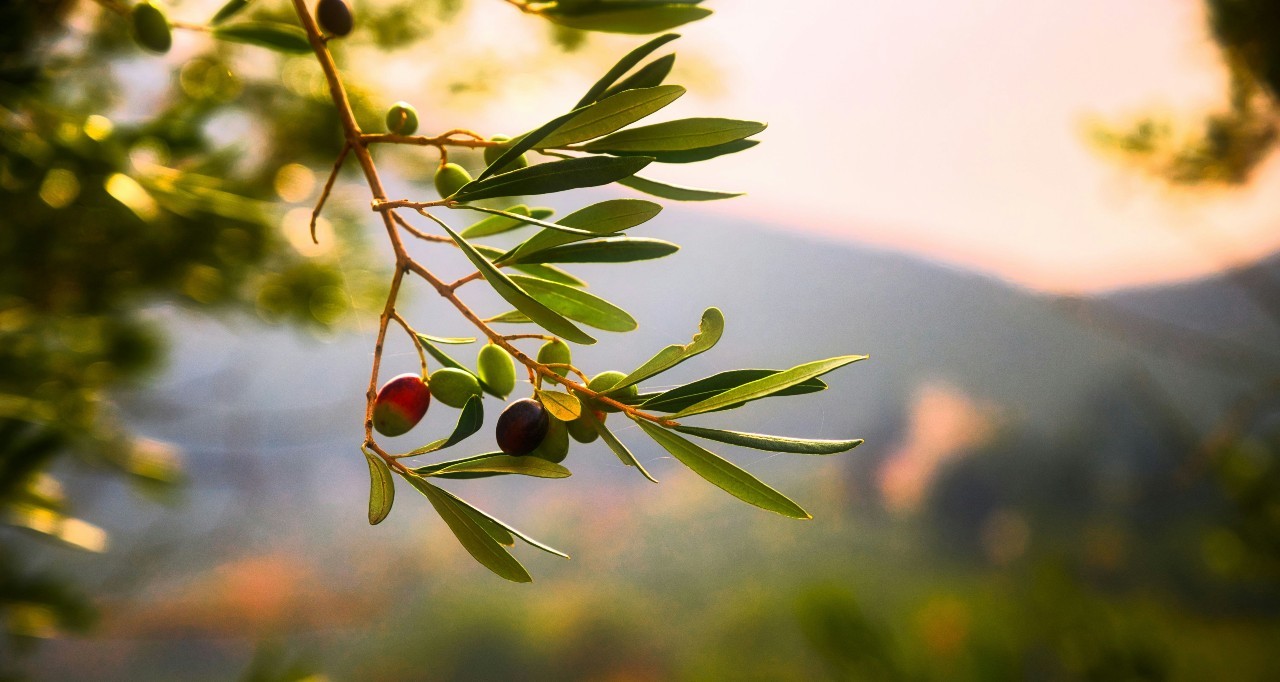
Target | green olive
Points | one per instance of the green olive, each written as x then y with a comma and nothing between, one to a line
582,430
450,178
497,369
453,387
555,445
604,381
491,154
402,119
151,27
556,352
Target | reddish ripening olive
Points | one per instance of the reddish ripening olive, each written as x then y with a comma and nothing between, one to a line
555,445
402,119
556,352
450,178
522,427
582,430
400,404
151,27
604,381
496,369
452,386
491,154
335,17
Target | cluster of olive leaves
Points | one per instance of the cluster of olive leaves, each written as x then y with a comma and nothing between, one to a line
592,145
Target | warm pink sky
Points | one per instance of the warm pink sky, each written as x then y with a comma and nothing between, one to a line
951,129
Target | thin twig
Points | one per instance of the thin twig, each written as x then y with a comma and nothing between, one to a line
328,187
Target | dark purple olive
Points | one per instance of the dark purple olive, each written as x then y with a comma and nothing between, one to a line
335,17
521,427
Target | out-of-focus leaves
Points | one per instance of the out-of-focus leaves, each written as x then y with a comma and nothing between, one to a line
723,474
284,38
230,9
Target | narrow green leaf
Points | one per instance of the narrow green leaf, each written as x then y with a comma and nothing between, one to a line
694,155
554,176
539,313
636,18
674,192
650,75
602,219
616,445
382,488
230,9
577,305
722,473
709,331
681,397
449,340
432,469
497,224
625,250
444,359
511,317
676,136
506,526
474,537
769,385
469,421
528,219
498,463
610,114
624,65
563,406
518,146
800,446
285,38
547,272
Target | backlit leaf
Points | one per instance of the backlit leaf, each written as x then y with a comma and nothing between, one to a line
554,176
625,250
382,488
650,75
602,219
577,305
610,114
285,38
769,385
563,406
675,136
478,542
681,397
616,445
622,67
634,18
709,332
801,446
674,192
469,421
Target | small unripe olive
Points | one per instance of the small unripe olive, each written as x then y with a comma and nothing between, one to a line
450,178
582,430
606,380
555,445
522,426
491,154
402,119
151,27
452,386
400,405
556,352
335,17
497,369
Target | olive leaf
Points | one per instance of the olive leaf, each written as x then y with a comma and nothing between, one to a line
709,331
547,272
601,219
509,290
475,538
619,17
800,446
511,317
674,192
621,250
614,444
449,340
722,473
497,463
563,406
675,136
769,385
622,67
577,305
650,75
553,176
611,114
508,528
497,224
680,397
518,146
284,38
230,9
469,421
382,488
693,155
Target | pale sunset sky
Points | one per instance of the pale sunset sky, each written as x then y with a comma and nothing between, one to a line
956,130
